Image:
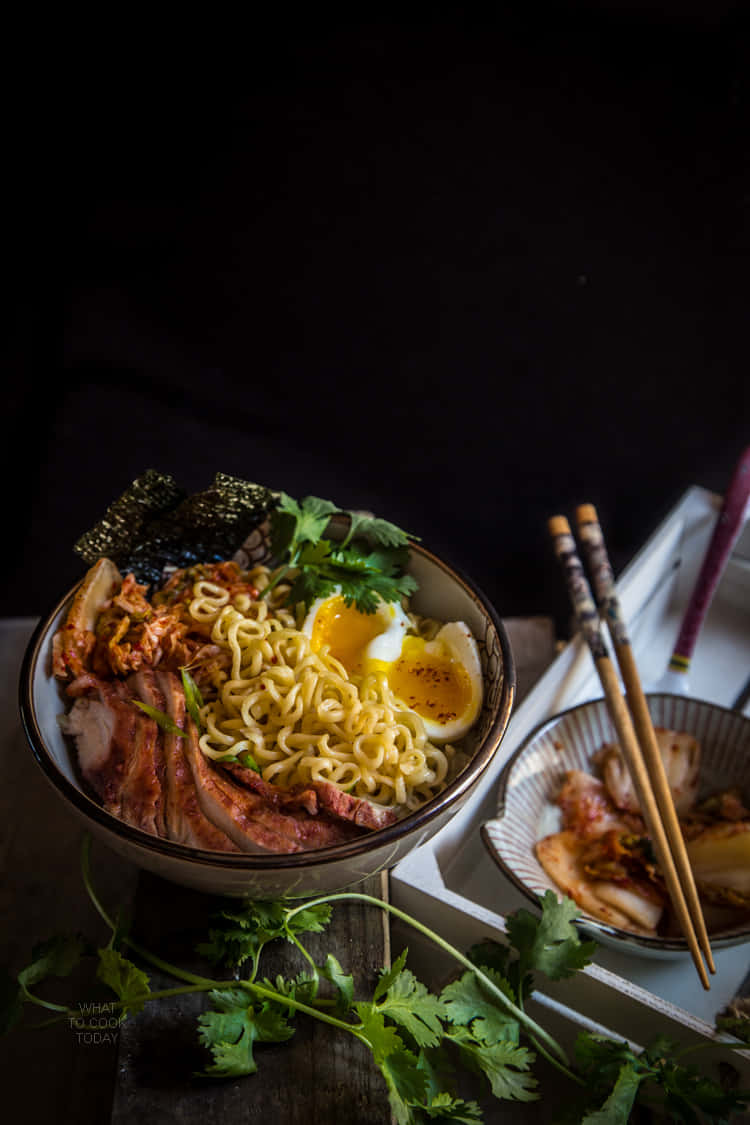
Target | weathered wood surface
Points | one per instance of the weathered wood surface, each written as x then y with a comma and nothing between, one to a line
52,1074
320,1075
147,1065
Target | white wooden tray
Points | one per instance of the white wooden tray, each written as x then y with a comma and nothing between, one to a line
452,884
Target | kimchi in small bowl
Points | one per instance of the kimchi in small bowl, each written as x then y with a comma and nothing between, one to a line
444,594
568,821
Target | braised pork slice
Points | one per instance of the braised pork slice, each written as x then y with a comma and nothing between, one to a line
118,748
316,796
185,822
348,807
144,782
102,724
250,819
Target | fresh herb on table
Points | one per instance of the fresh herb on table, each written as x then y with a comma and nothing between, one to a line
414,1035
367,565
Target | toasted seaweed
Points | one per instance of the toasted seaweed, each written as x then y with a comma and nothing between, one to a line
155,524
120,527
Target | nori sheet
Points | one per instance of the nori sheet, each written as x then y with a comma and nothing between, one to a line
155,524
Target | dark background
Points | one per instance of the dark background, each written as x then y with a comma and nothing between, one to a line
463,272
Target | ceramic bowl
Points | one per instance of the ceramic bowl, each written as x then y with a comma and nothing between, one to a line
532,777
443,593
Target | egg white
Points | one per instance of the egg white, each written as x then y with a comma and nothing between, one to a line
455,645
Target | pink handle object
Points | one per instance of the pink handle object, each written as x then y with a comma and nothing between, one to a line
726,531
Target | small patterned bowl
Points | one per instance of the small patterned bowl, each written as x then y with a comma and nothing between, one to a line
533,775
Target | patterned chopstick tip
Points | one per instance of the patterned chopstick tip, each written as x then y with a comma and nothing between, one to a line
579,591
602,575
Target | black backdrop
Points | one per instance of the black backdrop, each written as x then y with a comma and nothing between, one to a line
463,272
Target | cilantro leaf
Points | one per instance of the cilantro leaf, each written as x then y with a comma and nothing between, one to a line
489,954
364,570
444,1107
551,943
129,983
505,1065
309,920
618,1105
687,1089
343,982
406,1082
312,516
467,1004
376,530
408,1003
56,957
600,1060
383,1039
303,987
232,1028
239,934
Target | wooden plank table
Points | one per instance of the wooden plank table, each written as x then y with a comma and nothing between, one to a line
147,1066
319,1075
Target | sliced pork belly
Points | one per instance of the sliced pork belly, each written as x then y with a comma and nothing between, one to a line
185,823
118,749
316,796
250,820
104,724
143,791
356,809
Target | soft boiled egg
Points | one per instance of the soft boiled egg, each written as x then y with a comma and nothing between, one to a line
441,680
354,638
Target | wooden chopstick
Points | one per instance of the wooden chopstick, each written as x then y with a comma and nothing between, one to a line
605,592
587,615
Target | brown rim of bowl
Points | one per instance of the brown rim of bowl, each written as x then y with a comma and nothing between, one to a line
592,925
381,837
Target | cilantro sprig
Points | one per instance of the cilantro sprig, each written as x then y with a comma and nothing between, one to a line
366,566
415,1036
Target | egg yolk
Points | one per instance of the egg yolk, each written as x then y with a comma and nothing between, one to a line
346,631
431,683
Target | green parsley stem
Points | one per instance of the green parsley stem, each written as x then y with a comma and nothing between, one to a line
66,1015
173,970
62,1008
531,1025
311,961
278,998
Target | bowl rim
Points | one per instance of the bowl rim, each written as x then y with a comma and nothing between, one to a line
376,839
593,925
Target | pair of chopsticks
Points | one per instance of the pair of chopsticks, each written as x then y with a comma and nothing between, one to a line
631,718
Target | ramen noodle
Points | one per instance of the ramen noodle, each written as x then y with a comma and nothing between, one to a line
300,715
